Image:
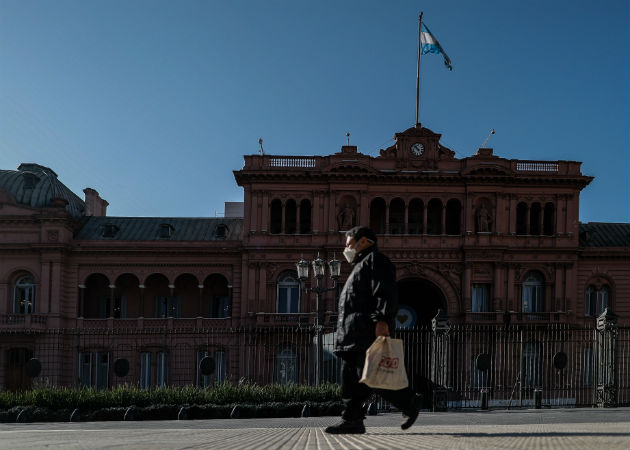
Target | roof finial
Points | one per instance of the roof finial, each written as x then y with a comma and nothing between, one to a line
262,150
348,136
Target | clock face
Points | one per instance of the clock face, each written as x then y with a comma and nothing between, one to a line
417,149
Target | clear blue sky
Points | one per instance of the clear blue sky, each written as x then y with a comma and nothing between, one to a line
154,103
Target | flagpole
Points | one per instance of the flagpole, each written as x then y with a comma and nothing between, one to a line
418,73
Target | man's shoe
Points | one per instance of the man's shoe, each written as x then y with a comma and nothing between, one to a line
347,427
412,415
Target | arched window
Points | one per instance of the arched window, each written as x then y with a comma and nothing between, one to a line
286,370
377,215
534,219
290,217
305,216
416,214
549,220
397,216
453,216
276,217
434,216
533,292
596,300
521,218
218,295
24,295
288,295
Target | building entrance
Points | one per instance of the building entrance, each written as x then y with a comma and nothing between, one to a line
418,302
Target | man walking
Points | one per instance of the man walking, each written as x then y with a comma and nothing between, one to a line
367,307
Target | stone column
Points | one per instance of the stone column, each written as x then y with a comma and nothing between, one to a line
111,300
199,308
443,220
81,305
406,219
169,301
141,287
425,212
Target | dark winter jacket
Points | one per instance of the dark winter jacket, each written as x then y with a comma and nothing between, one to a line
368,296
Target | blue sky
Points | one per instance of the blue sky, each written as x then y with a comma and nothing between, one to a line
154,103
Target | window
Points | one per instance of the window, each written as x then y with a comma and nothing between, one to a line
30,180
305,216
276,217
166,231
533,293
24,295
453,216
220,369
377,215
102,370
288,297
222,231
290,217
145,370
397,216
596,300
416,213
161,369
588,366
218,294
94,369
220,306
85,369
480,298
434,217
549,220
109,230
161,306
286,366
120,307
534,219
163,309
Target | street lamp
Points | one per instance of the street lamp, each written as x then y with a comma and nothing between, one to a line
319,269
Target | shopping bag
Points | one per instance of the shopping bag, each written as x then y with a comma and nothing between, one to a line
384,366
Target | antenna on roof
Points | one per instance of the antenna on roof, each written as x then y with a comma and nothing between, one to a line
262,150
487,139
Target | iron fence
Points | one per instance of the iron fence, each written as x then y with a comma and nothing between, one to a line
474,365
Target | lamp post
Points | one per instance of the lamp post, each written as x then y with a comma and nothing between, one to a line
319,269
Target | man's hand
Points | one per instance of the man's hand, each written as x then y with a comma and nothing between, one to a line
382,329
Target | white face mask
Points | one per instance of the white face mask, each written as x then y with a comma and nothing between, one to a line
350,254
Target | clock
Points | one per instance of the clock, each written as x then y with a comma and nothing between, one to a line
417,149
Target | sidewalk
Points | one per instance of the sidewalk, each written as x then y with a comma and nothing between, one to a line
530,429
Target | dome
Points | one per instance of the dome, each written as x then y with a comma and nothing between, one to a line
35,186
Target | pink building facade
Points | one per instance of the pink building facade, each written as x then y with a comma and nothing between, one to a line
485,239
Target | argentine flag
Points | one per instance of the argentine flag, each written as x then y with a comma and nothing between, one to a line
431,45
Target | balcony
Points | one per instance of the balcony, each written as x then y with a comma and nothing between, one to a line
515,317
151,323
284,319
24,321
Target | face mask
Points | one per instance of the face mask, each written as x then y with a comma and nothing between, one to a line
350,254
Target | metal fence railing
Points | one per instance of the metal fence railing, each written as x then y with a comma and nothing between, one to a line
506,365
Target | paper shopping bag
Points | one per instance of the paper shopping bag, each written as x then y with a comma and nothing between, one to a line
384,366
